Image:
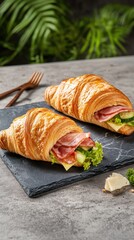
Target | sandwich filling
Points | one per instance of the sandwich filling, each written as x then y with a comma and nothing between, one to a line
76,149
116,116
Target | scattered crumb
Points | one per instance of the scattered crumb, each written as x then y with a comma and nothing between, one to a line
132,190
104,190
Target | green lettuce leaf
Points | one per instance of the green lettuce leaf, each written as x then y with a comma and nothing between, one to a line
93,156
53,158
118,120
130,175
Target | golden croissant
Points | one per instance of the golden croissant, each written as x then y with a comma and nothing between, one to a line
41,134
90,98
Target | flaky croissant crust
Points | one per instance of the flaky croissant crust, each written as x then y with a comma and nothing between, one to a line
34,134
82,96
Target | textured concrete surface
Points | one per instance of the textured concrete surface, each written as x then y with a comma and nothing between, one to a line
79,211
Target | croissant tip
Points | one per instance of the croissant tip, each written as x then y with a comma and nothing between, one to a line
2,140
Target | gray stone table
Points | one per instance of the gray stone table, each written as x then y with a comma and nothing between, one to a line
79,211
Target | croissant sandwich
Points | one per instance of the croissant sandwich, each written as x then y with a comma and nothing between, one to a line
41,134
90,98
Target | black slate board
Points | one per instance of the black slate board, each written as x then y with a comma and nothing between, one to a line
39,177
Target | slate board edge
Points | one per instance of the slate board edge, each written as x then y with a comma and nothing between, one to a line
49,188
33,193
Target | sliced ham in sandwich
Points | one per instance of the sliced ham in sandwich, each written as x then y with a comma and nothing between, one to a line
116,116
77,149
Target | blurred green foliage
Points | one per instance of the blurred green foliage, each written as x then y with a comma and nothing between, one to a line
42,31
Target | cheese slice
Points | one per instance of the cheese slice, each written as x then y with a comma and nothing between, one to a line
67,166
115,126
116,182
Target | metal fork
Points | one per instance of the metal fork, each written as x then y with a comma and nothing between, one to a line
32,83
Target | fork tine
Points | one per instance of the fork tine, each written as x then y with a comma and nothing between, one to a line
33,78
36,80
40,77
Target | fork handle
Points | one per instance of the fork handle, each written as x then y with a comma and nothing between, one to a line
15,98
4,94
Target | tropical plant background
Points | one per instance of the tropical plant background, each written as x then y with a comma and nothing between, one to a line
41,31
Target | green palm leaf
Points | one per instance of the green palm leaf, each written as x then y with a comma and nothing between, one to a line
106,30
33,21
42,30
